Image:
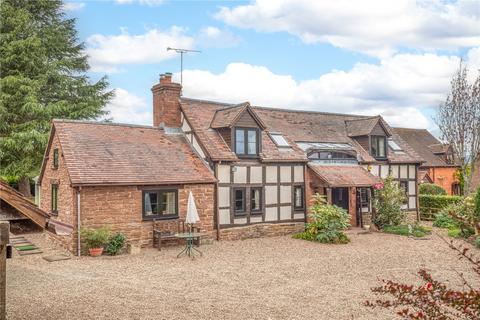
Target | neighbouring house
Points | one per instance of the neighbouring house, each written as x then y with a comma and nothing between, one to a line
440,166
251,169
122,176
476,177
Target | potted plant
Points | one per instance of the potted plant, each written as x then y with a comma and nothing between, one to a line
95,240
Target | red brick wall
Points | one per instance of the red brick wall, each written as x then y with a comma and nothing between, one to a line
352,206
443,177
476,177
261,230
120,208
66,194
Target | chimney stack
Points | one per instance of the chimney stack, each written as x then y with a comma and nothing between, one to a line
166,102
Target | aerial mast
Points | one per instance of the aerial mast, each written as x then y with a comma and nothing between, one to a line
181,51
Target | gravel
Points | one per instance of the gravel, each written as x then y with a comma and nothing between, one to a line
269,278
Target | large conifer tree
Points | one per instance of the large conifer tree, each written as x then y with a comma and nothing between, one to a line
43,76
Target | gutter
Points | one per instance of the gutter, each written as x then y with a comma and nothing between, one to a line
78,222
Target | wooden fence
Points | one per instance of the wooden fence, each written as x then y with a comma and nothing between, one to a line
428,213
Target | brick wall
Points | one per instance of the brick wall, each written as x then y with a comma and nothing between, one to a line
166,105
66,195
443,177
261,230
120,208
476,177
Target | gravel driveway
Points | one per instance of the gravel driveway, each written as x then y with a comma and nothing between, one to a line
269,278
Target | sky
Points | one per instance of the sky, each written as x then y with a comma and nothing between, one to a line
393,58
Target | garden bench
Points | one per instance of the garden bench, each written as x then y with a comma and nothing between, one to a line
167,229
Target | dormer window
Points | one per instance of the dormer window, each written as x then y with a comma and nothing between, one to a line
378,147
279,140
246,141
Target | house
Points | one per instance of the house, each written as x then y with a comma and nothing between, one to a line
476,177
251,169
439,167
123,176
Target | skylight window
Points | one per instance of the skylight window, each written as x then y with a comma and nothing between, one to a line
279,140
394,145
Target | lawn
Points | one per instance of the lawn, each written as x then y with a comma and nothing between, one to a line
269,278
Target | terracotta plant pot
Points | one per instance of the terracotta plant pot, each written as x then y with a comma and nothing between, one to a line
95,252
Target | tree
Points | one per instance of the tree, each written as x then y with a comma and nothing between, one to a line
388,201
459,121
42,77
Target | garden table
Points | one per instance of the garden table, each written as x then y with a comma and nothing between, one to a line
189,249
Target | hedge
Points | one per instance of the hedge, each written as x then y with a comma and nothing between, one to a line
431,204
432,189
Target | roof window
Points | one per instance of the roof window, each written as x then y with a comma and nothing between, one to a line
279,140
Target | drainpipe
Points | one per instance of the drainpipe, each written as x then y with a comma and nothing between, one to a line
215,201
78,222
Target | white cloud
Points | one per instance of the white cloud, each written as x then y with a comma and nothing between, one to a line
150,3
107,52
397,88
375,27
214,37
73,6
126,107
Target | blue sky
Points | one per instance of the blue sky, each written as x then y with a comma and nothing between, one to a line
393,59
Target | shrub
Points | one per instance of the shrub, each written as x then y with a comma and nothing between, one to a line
477,242
430,188
328,223
477,203
435,203
115,244
404,230
460,233
388,202
95,238
444,220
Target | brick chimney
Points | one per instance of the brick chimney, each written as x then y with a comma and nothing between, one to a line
166,104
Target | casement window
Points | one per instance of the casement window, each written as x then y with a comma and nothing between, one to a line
246,141
298,198
404,186
54,199
239,198
160,204
256,200
378,146
55,158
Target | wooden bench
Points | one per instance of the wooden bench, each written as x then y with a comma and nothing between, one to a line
166,230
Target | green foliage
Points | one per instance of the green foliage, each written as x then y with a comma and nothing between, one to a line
328,223
435,203
430,188
477,203
477,242
460,233
95,238
42,76
404,230
388,203
444,220
115,244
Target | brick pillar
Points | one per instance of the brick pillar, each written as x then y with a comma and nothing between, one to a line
352,205
166,104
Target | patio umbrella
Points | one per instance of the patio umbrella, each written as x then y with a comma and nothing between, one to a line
192,214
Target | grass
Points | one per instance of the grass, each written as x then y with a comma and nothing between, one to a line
403,230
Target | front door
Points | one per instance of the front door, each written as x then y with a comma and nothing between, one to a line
340,197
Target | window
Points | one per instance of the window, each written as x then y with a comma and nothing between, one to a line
331,155
54,198
55,158
404,187
246,142
364,196
298,198
378,144
239,198
394,145
256,200
160,204
279,140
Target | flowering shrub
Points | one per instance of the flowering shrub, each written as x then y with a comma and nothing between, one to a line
433,299
328,223
388,202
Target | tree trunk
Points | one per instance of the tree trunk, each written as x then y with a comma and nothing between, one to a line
24,187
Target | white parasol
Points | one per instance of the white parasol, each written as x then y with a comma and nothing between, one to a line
192,214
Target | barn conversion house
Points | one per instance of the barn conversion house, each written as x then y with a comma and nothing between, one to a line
252,170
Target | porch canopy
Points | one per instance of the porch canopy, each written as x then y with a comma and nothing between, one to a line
344,175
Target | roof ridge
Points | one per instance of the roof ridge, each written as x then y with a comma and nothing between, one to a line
313,112
210,101
367,118
416,129
104,123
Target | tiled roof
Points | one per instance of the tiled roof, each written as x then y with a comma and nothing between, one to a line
103,154
363,126
425,145
200,113
296,126
344,175
226,117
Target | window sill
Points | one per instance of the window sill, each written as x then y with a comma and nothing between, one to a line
159,217
256,213
54,213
